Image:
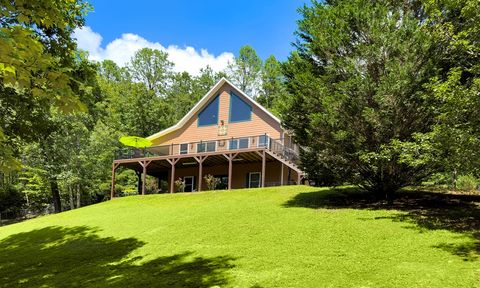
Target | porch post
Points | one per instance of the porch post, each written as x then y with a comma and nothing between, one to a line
299,178
230,158
281,173
200,160
144,176
263,167
172,176
112,192
229,173
172,179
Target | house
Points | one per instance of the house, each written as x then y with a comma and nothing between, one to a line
226,134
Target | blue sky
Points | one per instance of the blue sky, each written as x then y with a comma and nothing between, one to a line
218,27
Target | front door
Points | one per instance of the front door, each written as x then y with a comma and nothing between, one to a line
189,182
254,179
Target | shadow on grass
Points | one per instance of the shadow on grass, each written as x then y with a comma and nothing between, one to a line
78,257
427,210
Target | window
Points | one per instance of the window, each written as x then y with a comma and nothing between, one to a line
206,147
209,115
239,109
263,141
254,179
184,148
240,143
233,144
211,146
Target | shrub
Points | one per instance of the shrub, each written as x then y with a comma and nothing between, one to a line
179,185
211,182
467,182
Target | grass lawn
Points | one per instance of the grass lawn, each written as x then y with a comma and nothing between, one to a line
293,236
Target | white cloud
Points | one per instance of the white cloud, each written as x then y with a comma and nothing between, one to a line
122,49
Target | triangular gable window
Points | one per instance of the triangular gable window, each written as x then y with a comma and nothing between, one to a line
209,115
239,109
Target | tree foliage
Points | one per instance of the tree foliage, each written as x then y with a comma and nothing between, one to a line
152,68
245,70
37,54
362,86
272,84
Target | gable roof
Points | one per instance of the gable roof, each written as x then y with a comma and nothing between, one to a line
205,99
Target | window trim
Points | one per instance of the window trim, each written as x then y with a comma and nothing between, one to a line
180,148
218,113
230,109
250,179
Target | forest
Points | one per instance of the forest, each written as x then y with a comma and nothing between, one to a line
61,132
380,94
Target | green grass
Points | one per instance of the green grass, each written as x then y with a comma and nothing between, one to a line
276,237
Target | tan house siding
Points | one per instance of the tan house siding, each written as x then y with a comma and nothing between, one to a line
260,123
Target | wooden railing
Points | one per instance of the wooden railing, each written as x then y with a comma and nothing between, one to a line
276,146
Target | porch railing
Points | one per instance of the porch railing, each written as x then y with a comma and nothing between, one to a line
278,146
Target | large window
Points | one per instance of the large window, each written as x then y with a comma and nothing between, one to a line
240,143
206,147
239,109
209,115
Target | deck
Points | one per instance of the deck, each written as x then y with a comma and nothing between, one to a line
154,160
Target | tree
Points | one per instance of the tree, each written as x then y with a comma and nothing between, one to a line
272,84
357,89
245,70
110,71
36,55
152,68
452,144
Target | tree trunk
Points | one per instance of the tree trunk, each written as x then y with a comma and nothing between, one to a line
384,191
70,194
57,204
79,195
454,179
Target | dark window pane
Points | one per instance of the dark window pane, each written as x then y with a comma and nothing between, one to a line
200,147
243,143
239,109
184,148
234,144
209,115
211,146
254,181
262,141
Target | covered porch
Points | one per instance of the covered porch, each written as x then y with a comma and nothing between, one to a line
266,167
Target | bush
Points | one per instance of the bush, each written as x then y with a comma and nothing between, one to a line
467,182
211,182
179,185
11,200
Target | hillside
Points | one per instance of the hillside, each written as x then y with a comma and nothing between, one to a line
276,237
